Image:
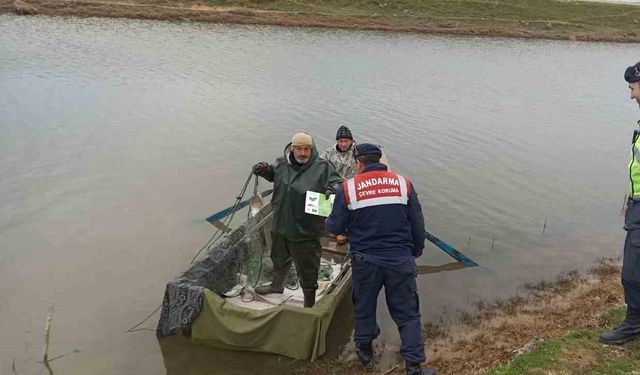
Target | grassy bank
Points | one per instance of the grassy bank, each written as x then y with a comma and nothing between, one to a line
578,353
549,328
517,18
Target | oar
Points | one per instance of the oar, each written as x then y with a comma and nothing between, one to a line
229,210
455,254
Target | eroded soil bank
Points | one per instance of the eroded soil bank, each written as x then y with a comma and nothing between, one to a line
496,333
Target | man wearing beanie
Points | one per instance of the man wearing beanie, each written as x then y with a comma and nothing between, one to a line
341,154
629,329
295,234
381,213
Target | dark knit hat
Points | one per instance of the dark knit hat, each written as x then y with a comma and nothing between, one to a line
344,133
367,149
632,74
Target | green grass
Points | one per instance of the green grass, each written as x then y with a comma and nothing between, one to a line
550,13
578,353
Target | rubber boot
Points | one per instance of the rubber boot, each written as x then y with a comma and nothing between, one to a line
309,298
416,369
365,355
628,330
276,286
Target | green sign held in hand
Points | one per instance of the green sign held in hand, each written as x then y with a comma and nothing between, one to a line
318,204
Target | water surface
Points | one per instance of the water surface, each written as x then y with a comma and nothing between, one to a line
117,137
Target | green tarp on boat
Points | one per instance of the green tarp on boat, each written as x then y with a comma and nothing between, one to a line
287,330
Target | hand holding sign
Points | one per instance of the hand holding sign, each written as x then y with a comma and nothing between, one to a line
318,204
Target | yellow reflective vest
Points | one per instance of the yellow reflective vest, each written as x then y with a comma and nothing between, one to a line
634,165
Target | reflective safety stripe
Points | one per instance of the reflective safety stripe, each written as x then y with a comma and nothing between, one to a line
634,165
377,202
377,195
403,187
352,192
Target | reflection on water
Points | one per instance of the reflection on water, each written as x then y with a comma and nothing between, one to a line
117,137
453,266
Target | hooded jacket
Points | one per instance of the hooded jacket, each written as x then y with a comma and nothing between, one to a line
291,181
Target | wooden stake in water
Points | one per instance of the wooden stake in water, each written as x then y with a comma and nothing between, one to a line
493,241
545,224
47,334
469,242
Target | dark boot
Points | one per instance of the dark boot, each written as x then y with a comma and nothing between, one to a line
416,369
276,286
628,330
309,298
365,355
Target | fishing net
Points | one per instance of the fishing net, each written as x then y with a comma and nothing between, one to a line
234,264
239,258
234,260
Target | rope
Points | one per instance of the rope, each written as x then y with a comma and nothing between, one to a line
133,329
218,234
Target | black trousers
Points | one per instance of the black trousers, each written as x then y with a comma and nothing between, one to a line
631,257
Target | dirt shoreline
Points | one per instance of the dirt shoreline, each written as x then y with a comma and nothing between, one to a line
473,343
410,23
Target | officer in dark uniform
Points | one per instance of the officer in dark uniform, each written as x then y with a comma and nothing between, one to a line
380,212
630,327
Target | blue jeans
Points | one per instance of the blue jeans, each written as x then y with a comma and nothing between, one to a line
402,300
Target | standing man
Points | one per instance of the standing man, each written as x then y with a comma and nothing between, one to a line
296,235
629,329
341,154
381,213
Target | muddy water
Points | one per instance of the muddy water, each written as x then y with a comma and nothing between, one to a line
117,137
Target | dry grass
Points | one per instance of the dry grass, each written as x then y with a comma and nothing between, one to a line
499,332
473,342
22,8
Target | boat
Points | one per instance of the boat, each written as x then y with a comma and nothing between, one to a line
214,302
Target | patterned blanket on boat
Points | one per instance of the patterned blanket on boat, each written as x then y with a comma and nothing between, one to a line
217,272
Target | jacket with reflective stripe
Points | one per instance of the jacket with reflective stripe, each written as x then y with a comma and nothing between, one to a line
380,213
375,188
634,165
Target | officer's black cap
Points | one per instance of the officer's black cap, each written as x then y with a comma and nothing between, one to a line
632,74
367,149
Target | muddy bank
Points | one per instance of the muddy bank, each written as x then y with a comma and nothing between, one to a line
495,333
551,20
500,331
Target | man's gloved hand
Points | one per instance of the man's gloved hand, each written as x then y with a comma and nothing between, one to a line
328,191
261,168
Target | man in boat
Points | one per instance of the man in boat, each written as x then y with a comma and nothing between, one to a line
341,154
296,235
381,213
629,329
